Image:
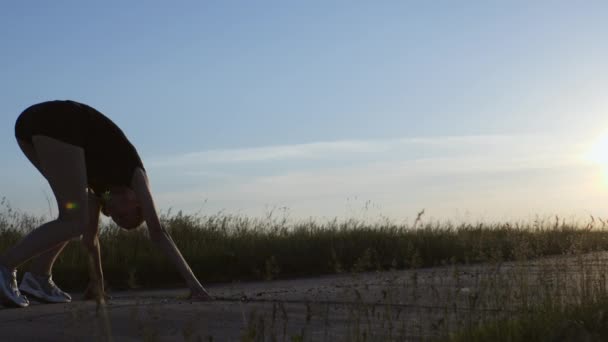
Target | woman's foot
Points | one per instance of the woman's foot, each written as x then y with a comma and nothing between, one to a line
42,288
9,292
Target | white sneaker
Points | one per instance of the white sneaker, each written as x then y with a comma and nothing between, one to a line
9,293
42,288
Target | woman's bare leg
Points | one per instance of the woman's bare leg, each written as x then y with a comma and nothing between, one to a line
63,165
43,263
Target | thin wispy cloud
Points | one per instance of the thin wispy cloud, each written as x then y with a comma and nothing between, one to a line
270,153
400,175
408,147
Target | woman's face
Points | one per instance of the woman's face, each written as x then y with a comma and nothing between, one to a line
124,208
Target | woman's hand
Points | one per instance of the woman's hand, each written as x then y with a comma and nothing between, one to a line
199,295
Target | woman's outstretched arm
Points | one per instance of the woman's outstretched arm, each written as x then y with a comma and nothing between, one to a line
161,237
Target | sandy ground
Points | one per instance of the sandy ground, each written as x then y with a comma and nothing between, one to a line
398,305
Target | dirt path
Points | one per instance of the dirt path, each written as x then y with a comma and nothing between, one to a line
398,305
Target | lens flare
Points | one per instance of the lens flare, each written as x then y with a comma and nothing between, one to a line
71,205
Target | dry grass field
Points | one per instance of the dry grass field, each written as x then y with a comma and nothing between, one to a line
275,280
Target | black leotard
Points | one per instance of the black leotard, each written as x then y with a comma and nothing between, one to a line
109,156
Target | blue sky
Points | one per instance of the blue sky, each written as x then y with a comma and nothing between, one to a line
471,110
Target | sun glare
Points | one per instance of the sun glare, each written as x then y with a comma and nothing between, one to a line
598,152
597,155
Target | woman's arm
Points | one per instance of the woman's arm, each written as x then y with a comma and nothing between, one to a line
161,237
90,239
